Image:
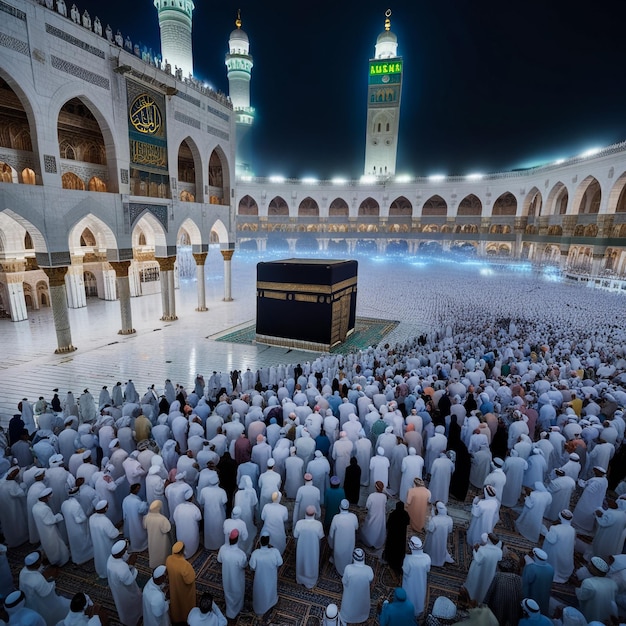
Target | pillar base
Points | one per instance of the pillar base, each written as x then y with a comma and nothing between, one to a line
227,299
169,318
65,349
130,331
202,309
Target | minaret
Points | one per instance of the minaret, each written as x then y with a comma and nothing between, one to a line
383,105
239,64
175,24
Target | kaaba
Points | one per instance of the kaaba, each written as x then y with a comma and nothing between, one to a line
308,304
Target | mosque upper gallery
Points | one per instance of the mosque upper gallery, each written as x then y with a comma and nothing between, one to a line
112,159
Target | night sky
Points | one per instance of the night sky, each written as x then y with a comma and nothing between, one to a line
488,85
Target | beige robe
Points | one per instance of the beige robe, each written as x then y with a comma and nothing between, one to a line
417,507
159,542
182,580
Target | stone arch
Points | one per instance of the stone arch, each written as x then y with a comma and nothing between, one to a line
532,203
13,231
153,233
308,208
435,206
278,206
189,164
96,184
70,180
470,206
401,207
7,173
92,235
617,196
219,177
369,208
555,230
28,176
588,197
221,232
557,200
82,126
338,208
17,121
505,205
248,206
192,231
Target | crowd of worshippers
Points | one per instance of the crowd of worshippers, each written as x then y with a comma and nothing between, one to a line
367,449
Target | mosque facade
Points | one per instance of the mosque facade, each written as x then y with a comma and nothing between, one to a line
111,158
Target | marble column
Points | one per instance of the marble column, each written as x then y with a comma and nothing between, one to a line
168,302
200,258
58,298
228,255
123,293
17,302
75,287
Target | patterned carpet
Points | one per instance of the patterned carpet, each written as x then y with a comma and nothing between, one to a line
368,332
297,605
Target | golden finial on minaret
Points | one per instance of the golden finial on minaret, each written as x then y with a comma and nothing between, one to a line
238,20
387,20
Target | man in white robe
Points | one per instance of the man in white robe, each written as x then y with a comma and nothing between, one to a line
529,523
186,518
342,536
485,513
440,473
308,533
13,516
103,536
590,500
19,615
438,527
294,473
496,478
596,595
412,468
47,526
559,545
122,577
34,491
415,570
374,529
274,517
609,536
233,561
40,593
207,613
77,525
341,453
155,604
269,482
308,495
213,500
319,468
483,567
561,488
264,562
134,509
356,599
436,444
379,469
513,468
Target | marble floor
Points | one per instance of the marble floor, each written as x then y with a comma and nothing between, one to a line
388,289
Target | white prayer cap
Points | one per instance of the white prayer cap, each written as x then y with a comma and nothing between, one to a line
159,571
55,459
332,611
236,512
181,475
102,504
574,457
134,454
498,462
566,514
86,455
118,547
271,462
489,490
318,454
32,558
14,599
600,469
389,429
440,429
441,507
188,493
415,543
40,472
444,608
45,493
154,469
344,505
600,564
380,450
109,468
540,554
530,606
114,442
68,420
